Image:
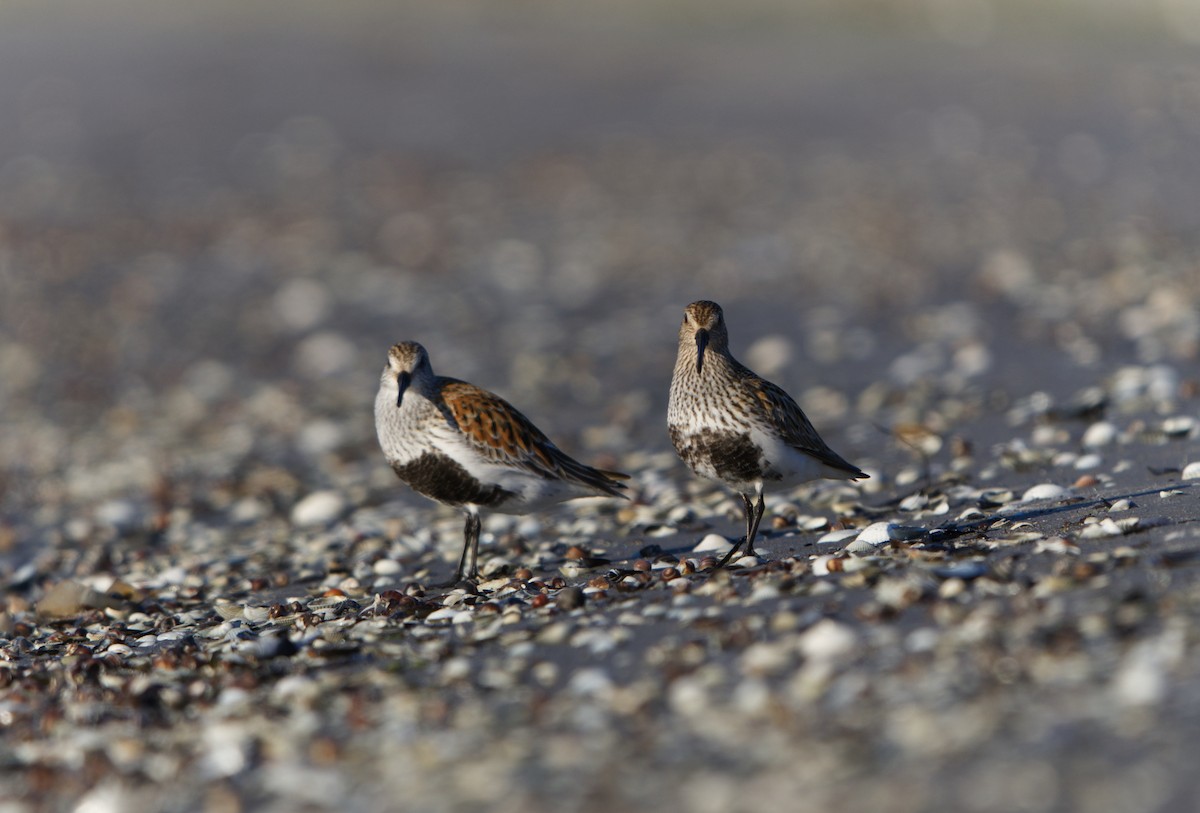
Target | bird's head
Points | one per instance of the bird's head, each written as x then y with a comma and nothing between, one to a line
703,326
406,361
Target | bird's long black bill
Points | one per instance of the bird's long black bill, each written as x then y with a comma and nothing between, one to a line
402,382
701,344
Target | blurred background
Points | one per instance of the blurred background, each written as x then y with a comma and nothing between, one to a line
214,219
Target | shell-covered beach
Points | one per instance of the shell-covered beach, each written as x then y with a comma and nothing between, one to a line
962,236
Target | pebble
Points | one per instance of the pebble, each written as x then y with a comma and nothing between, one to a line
1099,434
1179,426
120,514
386,567
767,658
1192,471
570,598
828,641
1098,530
964,571
318,508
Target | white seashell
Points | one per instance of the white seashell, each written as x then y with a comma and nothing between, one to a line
1192,471
763,658
227,610
590,682
996,496
807,523
1044,492
838,536
951,588
712,542
820,565
761,592
121,514
1099,530
1179,425
770,354
386,567
255,615
828,641
1099,434
877,533
681,514
318,508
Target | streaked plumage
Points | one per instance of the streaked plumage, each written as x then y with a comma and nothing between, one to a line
464,446
730,425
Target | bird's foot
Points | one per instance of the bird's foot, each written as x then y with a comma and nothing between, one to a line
730,555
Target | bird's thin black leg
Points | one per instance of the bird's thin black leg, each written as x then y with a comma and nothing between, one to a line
470,549
753,530
474,524
751,525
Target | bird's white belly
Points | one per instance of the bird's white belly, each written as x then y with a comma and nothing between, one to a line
788,467
529,492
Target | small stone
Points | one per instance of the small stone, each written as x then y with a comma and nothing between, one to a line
120,514
963,571
1192,471
318,508
1101,433
70,598
828,641
770,354
386,567
824,565
570,598
764,658
1099,530
951,588
1178,426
